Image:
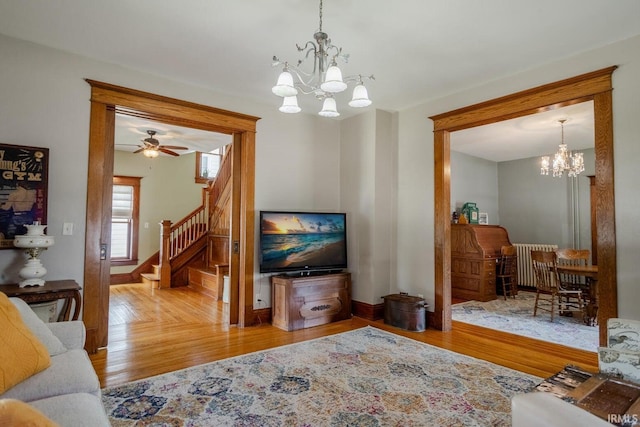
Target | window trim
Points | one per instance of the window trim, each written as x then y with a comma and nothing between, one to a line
134,182
199,179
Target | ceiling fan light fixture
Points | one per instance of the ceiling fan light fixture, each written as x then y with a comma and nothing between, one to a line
150,153
151,147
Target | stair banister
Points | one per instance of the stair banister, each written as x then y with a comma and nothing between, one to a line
165,254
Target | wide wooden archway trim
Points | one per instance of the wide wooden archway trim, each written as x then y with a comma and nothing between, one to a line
106,100
595,86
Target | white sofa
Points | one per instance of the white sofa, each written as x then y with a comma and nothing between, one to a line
540,409
68,391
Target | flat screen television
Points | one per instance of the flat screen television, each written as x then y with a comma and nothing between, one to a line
302,242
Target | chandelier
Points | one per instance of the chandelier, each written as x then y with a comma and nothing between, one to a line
323,81
563,161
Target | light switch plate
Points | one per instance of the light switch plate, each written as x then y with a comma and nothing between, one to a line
67,229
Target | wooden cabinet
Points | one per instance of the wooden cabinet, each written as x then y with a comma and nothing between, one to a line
304,301
474,251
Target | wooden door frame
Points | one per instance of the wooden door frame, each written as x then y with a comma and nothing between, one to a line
106,100
595,86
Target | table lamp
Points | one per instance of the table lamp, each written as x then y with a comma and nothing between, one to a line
34,242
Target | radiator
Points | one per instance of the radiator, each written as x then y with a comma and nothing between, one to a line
526,276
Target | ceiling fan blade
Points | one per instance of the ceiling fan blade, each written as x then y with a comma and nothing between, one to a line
164,150
174,147
139,150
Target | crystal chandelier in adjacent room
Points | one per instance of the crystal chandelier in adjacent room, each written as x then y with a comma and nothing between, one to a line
563,161
324,81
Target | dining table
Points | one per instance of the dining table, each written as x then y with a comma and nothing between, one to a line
590,273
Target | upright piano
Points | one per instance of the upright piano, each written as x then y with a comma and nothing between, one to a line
474,252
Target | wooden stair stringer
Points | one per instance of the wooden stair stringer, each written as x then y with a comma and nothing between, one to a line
194,255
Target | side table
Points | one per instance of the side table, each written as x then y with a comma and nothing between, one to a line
53,290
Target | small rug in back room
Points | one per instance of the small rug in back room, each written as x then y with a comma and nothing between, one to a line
515,315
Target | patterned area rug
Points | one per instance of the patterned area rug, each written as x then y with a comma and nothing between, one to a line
516,316
366,377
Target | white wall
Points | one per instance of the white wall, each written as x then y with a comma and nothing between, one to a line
533,208
415,190
385,207
45,102
368,183
539,209
358,199
475,180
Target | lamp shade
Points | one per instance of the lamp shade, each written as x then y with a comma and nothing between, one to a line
284,86
329,108
333,81
360,97
290,105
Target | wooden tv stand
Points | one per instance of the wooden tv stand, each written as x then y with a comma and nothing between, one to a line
305,301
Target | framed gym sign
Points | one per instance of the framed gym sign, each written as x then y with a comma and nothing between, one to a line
23,190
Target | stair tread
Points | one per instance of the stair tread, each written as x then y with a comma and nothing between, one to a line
204,270
150,276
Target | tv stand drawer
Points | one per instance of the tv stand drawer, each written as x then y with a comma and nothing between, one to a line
303,302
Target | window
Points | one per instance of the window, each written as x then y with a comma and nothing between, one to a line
125,212
208,164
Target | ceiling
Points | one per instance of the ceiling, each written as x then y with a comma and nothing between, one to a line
130,131
418,50
529,136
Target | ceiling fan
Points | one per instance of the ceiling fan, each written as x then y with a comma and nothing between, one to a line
151,147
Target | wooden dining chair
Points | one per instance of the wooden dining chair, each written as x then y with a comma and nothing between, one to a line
549,291
507,271
574,257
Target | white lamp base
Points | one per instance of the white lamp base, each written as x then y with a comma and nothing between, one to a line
31,282
32,273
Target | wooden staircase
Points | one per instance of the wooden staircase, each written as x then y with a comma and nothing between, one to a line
152,279
195,250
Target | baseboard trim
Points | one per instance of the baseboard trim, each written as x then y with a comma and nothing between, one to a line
431,318
367,311
120,278
261,316
376,312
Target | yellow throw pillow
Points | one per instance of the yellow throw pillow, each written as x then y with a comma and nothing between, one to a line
17,413
21,353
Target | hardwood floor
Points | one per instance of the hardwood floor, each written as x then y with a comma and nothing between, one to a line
153,331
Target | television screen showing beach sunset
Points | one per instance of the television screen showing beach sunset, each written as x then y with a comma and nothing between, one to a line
291,241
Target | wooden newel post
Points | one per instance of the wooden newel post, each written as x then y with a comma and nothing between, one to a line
165,255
